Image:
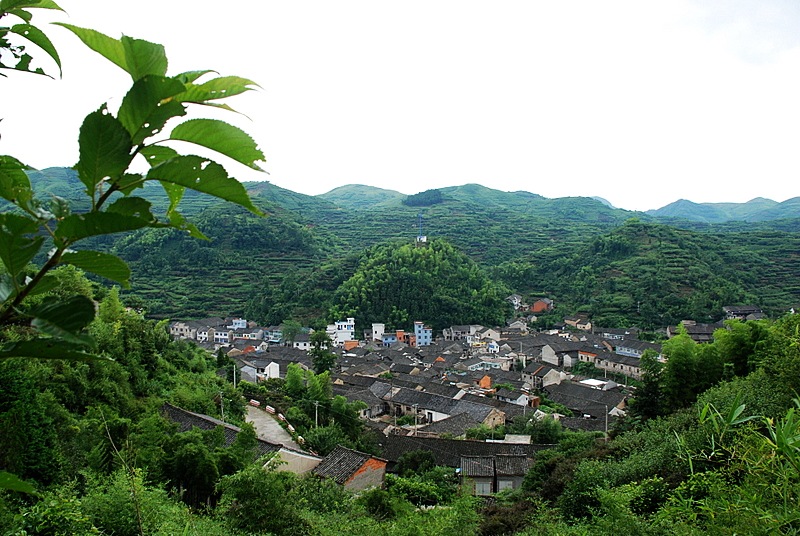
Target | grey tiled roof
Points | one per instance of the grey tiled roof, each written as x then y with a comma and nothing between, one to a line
511,465
448,452
584,399
477,466
187,420
456,425
340,464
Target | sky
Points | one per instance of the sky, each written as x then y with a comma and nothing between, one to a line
640,103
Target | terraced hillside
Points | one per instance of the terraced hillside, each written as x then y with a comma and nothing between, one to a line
179,276
616,265
654,275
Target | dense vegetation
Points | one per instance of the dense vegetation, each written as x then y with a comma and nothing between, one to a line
423,199
621,271
584,255
400,283
711,447
712,444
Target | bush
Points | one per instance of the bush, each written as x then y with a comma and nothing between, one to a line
381,505
255,500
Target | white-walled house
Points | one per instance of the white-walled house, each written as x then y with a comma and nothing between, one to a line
342,331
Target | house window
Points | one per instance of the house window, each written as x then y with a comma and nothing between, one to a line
505,484
483,488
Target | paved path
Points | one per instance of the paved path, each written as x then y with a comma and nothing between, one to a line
269,429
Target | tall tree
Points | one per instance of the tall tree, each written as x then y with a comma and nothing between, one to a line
321,356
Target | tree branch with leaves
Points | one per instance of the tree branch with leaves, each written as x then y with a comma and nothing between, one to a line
110,141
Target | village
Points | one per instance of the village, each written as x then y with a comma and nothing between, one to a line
421,391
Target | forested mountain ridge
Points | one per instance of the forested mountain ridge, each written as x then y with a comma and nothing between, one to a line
578,251
755,210
654,275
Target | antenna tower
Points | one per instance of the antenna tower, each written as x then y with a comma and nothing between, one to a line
421,238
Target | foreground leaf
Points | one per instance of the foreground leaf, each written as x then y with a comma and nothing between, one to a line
7,5
217,88
78,226
106,46
64,319
205,176
221,137
38,38
102,264
105,149
17,248
137,57
48,349
14,483
15,186
144,111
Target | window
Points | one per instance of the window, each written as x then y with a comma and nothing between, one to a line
505,484
483,488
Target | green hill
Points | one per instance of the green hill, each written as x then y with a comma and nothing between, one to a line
358,196
581,252
758,209
654,275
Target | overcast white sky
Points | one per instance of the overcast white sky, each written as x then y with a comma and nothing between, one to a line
639,102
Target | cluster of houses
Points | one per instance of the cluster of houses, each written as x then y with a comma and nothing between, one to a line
219,331
424,392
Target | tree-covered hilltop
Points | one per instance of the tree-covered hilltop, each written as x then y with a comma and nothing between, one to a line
398,283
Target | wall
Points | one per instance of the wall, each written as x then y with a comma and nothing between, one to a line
369,475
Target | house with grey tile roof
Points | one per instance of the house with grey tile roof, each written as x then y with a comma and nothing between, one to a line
448,452
486,475
584,400
187,420
455,426
352,469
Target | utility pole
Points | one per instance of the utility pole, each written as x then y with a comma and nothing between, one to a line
221,407
415,418
316,414
234,374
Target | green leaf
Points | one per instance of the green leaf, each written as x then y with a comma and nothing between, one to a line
48,349
64,319
129,182
106,46
9,289
137,57
145,110
21,13
221,137
205,176
157,154
14,483
102,264
38,38
14,183
217,88
105,149
144,58
17,249
177,220
78,226
45,284
190,76
6,5
132,206
175,193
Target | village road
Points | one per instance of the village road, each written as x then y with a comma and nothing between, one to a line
269,429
